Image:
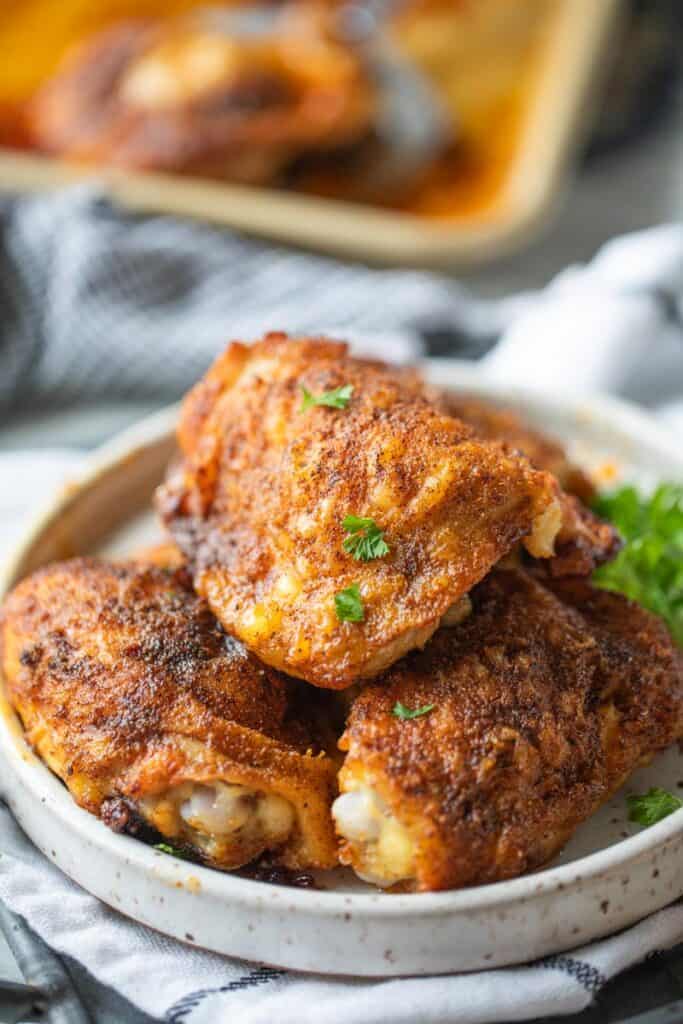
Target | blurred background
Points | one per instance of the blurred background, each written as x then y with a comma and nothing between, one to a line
490,142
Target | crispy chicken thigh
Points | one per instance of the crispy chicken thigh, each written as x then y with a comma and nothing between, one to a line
154,718
531,713
258,505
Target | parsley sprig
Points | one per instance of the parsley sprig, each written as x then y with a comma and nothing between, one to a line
338,398
348,604
649,808
649,569
402,712
366,540
172,851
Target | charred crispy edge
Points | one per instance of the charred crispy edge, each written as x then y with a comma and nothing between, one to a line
262,870
121,815
584,542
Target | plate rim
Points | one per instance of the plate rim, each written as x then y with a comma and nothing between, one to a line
619,413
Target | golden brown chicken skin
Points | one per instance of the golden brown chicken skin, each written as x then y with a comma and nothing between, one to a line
497,423
540,705
154,718
164,555
584,541
259,502
643,696
187,95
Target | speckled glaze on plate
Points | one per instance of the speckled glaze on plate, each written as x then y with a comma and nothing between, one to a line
610,875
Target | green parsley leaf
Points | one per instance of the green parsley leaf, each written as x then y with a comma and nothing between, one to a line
649,568
651,807
366,540
349,604
402,712
338,398
171,850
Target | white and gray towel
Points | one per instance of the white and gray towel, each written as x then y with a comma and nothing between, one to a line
94,304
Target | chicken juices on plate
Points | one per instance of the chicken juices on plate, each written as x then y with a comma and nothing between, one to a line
153,717
331,516
475,760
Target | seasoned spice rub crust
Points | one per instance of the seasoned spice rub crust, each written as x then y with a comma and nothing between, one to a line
136,698
497,423
584,541
258,504
542,702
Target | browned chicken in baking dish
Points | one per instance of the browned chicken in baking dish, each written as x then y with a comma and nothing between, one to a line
193,95
331,516
154,718
474,760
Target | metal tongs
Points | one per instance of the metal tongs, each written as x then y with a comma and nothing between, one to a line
413,125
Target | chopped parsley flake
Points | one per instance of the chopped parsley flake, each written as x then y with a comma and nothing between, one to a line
349,604
171,850
338,398
366,540
402,712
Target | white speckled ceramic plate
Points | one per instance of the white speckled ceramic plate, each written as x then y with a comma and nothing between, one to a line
610,875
